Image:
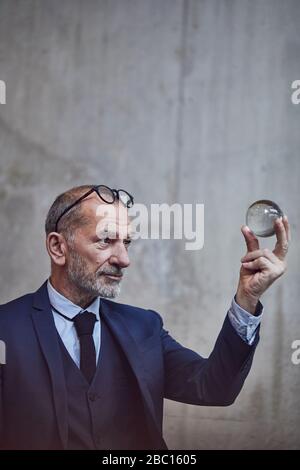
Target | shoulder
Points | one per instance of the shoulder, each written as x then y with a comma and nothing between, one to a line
15,307
134,313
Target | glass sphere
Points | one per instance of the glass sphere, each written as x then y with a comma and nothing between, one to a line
260,217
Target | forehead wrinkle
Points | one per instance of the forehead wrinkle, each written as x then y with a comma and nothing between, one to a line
111,215
114,217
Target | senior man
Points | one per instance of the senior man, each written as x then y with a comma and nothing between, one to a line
85,372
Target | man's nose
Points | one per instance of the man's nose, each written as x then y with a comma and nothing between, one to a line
120,255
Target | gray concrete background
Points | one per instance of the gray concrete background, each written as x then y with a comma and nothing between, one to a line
178,101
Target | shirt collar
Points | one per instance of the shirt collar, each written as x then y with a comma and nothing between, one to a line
68,308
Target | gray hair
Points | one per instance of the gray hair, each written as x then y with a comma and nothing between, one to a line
72,219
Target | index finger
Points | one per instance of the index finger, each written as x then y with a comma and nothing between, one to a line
287,227
250,239
282,235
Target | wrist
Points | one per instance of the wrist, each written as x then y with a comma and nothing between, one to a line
247,302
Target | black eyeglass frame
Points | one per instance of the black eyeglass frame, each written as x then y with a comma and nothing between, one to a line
115,194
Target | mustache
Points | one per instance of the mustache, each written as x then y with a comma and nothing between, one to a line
113,272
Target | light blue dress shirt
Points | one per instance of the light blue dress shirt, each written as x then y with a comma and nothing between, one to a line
243,322
66,328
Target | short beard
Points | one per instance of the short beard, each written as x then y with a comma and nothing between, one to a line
92,284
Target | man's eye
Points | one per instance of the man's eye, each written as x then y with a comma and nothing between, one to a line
107,241
104,241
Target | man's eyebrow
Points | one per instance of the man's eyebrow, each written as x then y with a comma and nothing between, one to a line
112,234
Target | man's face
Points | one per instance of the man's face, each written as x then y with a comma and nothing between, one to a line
98,255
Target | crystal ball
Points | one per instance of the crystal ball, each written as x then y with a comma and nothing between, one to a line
261,216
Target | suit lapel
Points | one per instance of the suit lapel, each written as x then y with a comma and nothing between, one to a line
131,351
47,334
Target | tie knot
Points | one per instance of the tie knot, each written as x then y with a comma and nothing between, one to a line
84,323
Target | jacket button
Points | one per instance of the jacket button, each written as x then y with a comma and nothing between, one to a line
93,396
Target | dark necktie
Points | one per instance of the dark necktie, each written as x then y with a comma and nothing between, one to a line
84,324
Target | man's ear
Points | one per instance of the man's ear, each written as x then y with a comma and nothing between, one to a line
57,248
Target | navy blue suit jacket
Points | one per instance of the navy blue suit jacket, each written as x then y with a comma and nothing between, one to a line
33,400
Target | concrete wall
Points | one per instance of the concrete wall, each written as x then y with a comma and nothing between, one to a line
178,101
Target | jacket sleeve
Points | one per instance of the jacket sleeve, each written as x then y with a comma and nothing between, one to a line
1,406
213,381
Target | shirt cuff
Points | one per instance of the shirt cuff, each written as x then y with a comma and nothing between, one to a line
244,322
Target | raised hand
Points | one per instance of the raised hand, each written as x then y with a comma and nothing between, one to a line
260,268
